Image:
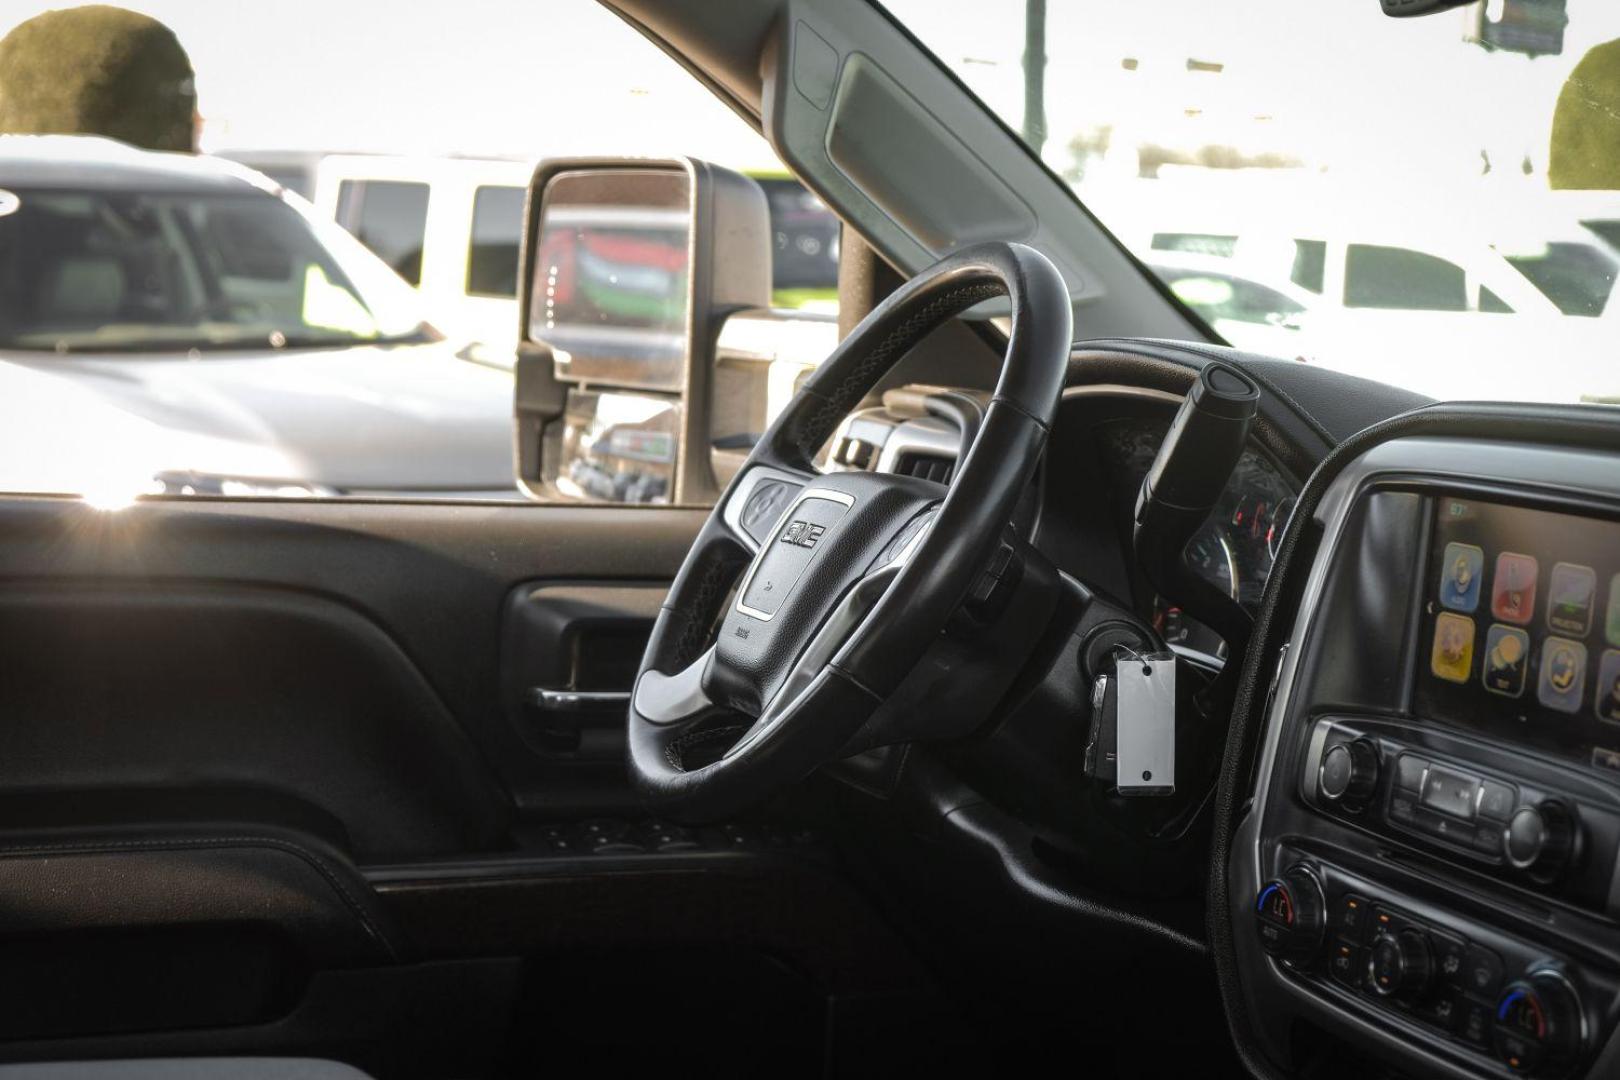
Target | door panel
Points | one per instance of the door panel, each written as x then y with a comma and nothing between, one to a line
271,782
214,714
343,656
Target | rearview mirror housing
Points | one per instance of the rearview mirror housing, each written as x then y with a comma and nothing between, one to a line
628,269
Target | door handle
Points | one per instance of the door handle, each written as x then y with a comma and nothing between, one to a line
578,701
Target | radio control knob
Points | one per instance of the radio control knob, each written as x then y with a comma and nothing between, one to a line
1400,965
1540,1026
1349,773
1291,915
1542,840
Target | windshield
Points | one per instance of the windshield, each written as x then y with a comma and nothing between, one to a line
1428,202
132,271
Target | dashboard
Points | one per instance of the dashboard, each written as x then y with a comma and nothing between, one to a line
1106,440
1236,547
1430,867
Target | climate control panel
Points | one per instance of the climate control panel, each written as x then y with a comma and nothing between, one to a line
1487,994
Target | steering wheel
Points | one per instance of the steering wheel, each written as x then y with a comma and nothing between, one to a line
853,574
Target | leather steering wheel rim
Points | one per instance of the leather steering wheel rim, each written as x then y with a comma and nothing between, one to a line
754,685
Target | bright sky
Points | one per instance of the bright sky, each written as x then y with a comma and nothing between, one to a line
1333,81
526,78
533,78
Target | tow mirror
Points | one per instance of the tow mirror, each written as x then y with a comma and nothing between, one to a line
629,268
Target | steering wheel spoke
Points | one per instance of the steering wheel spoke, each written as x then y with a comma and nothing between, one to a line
845,621
669,699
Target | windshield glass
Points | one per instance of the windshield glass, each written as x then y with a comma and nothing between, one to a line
131,271
1428,202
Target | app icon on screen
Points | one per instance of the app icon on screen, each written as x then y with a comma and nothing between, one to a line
1452,657
1608,687
1460,571
1513,590
1507,660
1570,596
1612,623
1563,674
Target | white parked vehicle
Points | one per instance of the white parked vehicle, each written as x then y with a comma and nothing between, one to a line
448,226
1409,294
223,337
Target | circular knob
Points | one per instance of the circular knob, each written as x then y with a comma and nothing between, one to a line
1540,1025
1349,773
1542,840
1400,965
1291,915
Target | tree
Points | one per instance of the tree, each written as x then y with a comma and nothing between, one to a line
1586,123
98,70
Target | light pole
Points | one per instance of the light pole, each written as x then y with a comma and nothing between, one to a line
1035,74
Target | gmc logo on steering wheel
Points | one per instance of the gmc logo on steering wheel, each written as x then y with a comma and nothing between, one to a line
802,534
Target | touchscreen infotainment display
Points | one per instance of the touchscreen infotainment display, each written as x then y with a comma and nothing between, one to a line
1520,634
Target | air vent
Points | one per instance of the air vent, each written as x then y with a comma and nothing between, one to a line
926,466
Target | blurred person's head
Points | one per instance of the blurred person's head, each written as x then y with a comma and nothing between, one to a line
98,70
1586,124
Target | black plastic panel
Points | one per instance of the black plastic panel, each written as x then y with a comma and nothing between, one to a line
345,656
1351,675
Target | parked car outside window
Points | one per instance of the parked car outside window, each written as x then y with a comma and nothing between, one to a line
241,344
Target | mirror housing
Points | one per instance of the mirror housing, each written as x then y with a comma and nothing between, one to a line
629,267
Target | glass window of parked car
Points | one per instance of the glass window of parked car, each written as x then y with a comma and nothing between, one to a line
492,253
390,218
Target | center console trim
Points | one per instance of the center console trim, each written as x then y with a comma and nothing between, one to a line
1547,477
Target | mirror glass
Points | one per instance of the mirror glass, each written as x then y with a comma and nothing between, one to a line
618,448
612,276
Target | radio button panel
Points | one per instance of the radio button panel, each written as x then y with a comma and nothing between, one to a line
1479,819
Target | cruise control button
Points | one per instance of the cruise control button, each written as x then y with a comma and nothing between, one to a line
1450,793
1496,801
1409,773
